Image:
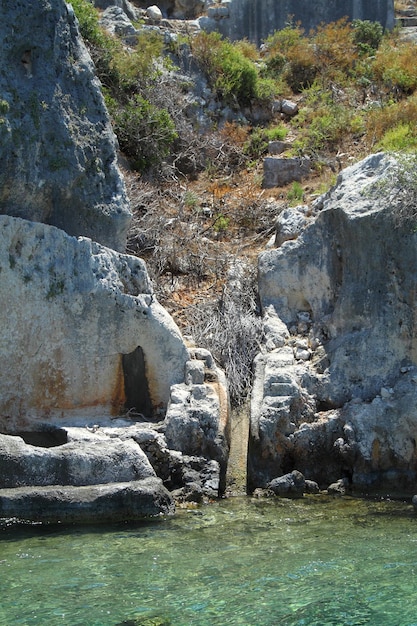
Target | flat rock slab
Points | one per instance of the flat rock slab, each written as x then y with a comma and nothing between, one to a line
112,502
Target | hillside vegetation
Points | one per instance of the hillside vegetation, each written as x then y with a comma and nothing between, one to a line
194,116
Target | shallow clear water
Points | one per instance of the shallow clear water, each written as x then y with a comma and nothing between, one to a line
316,561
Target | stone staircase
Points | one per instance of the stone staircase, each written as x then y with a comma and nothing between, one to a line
406,19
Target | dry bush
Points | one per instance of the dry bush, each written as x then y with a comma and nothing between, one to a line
334,50
379,120
395,69
231,329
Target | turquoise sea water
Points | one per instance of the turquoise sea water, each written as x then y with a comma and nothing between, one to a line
316,561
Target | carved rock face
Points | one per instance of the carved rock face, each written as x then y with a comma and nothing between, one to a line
57,149
334,396
72,309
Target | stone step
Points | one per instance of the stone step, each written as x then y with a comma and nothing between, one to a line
112,502
407,22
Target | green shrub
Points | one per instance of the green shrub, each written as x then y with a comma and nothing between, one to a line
295,194
88,17
395,67
324,124
230,73
384,118
276,133
367,36
334,51
290,54
401,138
145,132
275,65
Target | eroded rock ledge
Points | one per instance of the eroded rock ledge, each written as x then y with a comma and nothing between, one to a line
335,390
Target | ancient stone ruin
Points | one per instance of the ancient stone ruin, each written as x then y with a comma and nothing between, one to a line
85,342
255,20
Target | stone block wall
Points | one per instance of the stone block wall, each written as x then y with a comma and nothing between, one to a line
256,19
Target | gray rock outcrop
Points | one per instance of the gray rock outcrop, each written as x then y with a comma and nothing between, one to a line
90,461
58,162
240,19
119,502
335,391
82,333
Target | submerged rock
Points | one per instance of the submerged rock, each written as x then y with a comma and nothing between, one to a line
292,485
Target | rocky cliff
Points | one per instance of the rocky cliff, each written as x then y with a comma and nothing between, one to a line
256,19
336,390
84,342
57,148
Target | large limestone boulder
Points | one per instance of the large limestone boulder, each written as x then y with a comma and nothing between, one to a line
335,394
81,332
58,162
97,460
112,502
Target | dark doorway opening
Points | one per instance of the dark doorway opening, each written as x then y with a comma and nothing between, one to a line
136,385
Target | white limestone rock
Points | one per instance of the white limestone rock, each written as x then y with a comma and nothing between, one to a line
98,460
71,310
345,290
154,13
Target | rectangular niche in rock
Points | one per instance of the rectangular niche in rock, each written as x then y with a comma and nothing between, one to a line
136,385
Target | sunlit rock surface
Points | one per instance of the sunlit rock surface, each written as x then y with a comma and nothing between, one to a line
335,394
58,162
81,332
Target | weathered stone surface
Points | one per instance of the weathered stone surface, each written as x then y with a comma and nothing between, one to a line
256,20
58,161
290,223
281,171
97,460
81,331
187,477
115,20
113,502
292,485
131,11
335,396
197,419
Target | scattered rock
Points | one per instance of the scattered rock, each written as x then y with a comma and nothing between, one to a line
292,485
287,107
338,488
279,171
312,487
154,13
277,147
